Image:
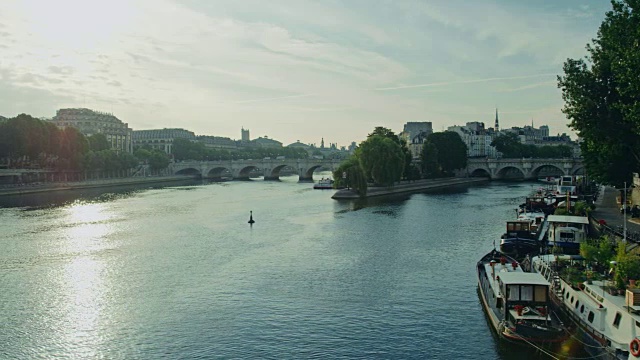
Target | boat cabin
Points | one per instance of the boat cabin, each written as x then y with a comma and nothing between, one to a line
567,231
519,229
526,295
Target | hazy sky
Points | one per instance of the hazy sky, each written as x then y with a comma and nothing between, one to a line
293,69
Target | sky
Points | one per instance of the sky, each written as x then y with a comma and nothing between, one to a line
294,69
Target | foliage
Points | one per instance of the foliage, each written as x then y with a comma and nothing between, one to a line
601,96
29,142
627,267
598,251
382,131
429,160
158,160
382,159
449,143
510,146
561,211
98,142
355,176
582,208
184,149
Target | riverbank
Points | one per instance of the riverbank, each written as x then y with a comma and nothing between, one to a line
415,186
88,184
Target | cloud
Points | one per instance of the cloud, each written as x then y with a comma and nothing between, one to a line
464,82
274,98
532,86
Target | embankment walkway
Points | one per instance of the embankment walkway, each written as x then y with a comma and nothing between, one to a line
60,186
408,187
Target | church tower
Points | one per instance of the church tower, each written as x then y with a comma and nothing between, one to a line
322,144
497,126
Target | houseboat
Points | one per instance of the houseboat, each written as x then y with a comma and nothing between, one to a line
608,322
517,302
566,232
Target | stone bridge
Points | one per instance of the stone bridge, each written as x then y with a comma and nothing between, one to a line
245,169
526,169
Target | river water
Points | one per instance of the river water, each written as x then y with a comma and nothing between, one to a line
178,273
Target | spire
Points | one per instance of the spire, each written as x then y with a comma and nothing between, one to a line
497,126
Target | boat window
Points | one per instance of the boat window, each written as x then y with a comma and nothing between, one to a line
499,303
526,293
514,292
590,317
572,299
616,320
577,303
582,309
566,295
541,293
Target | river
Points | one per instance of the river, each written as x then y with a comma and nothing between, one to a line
178,273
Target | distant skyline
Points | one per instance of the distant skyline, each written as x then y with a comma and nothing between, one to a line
294,69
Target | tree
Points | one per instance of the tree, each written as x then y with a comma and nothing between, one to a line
449,143
98,142
354,178
602,96
381,159
429,160
158,160
383,131
508,144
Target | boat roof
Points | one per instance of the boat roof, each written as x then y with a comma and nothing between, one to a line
568,219
512,278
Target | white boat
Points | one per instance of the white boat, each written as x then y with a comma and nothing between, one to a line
567,232
324,184
608,325
517,302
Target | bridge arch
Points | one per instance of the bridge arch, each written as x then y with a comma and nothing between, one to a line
578,170
307,174
510,173
245,172
480,172
547,170
219,173
274,173
189,171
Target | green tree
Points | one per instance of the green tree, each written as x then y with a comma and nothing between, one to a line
98,142
601,95
627,267
429,160
383,131
158,160
382,159
508,144
449,143
354,178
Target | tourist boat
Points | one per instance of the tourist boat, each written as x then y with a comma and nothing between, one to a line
608,324
566,232
517,302
324,184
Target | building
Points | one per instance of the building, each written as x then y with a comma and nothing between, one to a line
244,135
414,128
265,142
90,122
161,139
298,144
217,142
477,138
